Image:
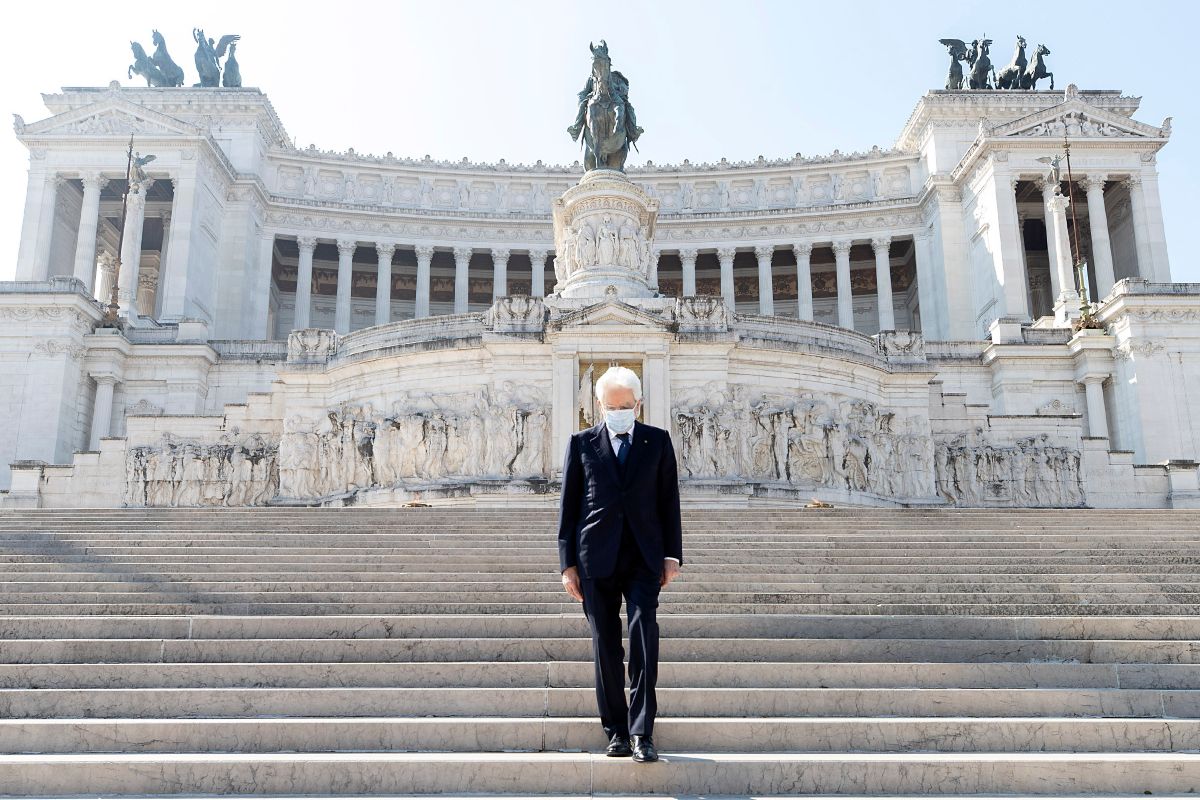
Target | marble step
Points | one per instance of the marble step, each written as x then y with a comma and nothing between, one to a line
748,733
930,774
580,674
49,651
675,595
440,702
1074,607
778,626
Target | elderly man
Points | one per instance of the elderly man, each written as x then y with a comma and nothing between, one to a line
619,535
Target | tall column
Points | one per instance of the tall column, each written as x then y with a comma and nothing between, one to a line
766,290
1152,209
1008,263
424,256
655,257
688,258
499,273
1141,228
131,249
178,290
89,219
725,255
1049,192
1098,223
304,270
257,324
804,307
1067,302
883,282
164,254
28,257
845,300
101,409
108,274
537,264
146,286
462,284
383,282
932,325
45,237
345,276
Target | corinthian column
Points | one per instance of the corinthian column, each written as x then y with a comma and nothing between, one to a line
89,218
131,249
766,291
1141,228
1098,223
1066,305
804,307
304,267
383,282
424,256
725,255
341,317
883,282
462,285
537,263
499,273
688,259
845,300
1048,194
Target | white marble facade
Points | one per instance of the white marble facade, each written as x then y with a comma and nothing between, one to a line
890,327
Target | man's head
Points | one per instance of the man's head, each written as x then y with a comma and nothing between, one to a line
619,390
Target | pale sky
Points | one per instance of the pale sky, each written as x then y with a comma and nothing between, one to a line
491,80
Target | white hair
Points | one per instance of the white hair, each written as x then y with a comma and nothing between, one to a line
619,376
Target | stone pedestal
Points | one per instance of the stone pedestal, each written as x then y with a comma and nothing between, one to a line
603,235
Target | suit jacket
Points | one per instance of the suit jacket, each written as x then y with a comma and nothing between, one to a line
597,500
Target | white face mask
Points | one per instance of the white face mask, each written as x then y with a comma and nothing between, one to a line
620,419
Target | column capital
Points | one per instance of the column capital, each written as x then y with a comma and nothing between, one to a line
764,251
346,247
306,243
1013,180
462,252
724,253
802,249
881,244
1133,181
688,254
55,179
93,180
104,378
424,251
538,254
841,247
500,254
1093,181
385,250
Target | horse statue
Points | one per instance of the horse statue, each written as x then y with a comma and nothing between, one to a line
209,55
958,52
172,72
1037,69
1010,76
606,118
231,76
981,65
143,66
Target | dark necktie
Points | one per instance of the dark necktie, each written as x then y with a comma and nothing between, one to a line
623,451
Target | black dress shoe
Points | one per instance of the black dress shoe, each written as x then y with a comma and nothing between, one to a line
618,746
643,749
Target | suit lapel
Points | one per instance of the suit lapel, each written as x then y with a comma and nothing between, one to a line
603,446
638,442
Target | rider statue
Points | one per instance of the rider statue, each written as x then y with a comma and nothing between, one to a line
606,118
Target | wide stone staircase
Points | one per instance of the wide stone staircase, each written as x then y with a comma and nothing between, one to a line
341,652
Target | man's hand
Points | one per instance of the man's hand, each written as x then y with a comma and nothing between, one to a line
670,571
570,580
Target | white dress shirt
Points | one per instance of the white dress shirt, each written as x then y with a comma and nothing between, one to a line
616,446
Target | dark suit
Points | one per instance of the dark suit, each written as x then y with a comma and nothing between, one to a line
616,525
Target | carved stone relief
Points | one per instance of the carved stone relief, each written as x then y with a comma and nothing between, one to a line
233,471
1028,474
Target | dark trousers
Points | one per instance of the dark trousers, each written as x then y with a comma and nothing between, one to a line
639,585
